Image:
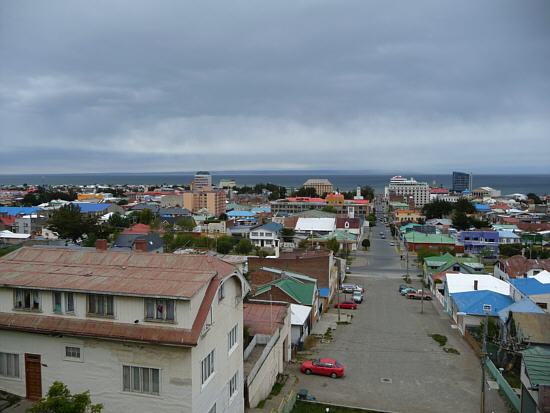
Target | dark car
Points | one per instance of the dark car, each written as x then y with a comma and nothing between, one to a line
323,367
346,305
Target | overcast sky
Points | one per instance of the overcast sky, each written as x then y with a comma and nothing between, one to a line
387,86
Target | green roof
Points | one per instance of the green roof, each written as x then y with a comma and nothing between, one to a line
301,292
399,205
339,234
404,228
445,261
537,364
419,237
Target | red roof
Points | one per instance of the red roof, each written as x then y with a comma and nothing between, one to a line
264,318
439,191
7,220
137,229
305,199
353,223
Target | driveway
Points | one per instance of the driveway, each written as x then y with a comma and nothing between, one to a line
392,362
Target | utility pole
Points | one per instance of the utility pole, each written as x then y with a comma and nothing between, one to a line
486,310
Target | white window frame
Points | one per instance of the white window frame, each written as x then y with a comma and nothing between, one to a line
221,292
66,301
233,338
208,368
17,364
80,358
233,385
32,292
131,378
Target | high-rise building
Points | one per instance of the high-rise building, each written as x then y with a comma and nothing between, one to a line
461,181
202,180
210,201
411,190
321,186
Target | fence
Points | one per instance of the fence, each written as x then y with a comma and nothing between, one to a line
507,390
287,404
262,358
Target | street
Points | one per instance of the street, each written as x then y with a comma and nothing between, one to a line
391,361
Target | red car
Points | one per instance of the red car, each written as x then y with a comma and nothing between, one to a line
347,305
323,367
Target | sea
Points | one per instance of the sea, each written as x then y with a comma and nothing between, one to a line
507,184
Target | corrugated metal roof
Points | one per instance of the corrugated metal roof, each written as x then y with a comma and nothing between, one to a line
264,318
119,272
471,302
537,364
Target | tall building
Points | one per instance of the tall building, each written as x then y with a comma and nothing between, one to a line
321,186
410,190
202,180
461,181
211,201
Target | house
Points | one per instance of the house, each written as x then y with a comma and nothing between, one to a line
269,349
347,241
300,321
519,267
467,307
8,237
31,224
448,262
139,229
140,242
508,237
152,332
415,240
351,225
408,215
318,226
267,235
97,210
535,379
478,242
536,288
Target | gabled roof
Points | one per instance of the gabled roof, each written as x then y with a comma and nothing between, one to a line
300,291
299,314
316,224
88,207
522,306
138,229
352,223
264,318
415,237
154,241
471,302
530,286
270,226
537,364
458,283
518,265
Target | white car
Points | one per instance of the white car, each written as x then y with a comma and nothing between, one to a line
392,244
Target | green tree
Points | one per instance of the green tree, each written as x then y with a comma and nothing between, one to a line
119,221
536,199
465,206
509,250
122,202
69,223
186,223
332,244
437,209
244,246
329,208
372,219
146,216
306,192
365,243
60,400
223,216
461,220
224,244
288,234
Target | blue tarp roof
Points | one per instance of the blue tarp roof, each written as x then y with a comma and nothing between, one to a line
523,306
233,214
86,207
18,210
530,286
482,207
324,292
261,209
471,302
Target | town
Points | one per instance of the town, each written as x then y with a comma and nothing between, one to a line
218,297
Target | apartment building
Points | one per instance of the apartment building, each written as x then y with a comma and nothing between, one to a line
348,207
410,190
321,186
142,332
461,181
202,180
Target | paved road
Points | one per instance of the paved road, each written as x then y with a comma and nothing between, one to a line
392,363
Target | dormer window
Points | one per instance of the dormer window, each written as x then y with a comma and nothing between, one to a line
27,299
157,309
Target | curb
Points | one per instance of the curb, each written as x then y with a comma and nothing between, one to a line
345,406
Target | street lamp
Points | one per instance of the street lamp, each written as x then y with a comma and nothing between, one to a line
486,310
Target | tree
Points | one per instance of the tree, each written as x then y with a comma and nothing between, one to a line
122,202
536,199
60,400
146,216
372,219
460,221
69,223
329,208
465,206
306,192
509,250
186,223
332,244
244,246
437,209
223,216
288,234
224,244
365,243
118,221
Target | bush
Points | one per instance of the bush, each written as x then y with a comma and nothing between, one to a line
440,339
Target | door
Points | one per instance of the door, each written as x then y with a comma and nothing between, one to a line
33,376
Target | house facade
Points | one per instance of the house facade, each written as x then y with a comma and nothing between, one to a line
141,332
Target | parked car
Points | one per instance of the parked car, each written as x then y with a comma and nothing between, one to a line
407,290
402,286
392,244
418,295
323,367
346,305
358,296
348,288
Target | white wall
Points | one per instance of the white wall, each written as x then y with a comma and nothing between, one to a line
101,370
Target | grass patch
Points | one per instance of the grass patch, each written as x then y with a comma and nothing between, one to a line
261,404
342,322
451,350
308,407
440,339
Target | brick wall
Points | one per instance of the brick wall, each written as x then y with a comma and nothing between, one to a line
315,267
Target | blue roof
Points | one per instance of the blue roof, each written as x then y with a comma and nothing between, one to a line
233,214
324,292
471,302
507,234
18,210
523,306
270,226
86,207
482,207
261,209
530,286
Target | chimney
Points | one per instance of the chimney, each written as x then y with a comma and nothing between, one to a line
101,245
475,284
140,244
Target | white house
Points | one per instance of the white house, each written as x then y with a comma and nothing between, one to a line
460,283
267,235
142,332
321,226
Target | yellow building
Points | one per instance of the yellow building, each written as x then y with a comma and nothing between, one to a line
212,201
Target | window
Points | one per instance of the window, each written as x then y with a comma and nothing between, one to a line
27,299
72,353
69,304
233,385
9,365
100,305
207,367
57,299
221,292
232,337
159,309
140,379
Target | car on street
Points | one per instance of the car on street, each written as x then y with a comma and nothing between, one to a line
403,286
419,295
346,305
347,288
357,296
392,244
408,290
323,367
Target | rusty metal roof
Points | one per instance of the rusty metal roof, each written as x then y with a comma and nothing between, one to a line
120,272
264,317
